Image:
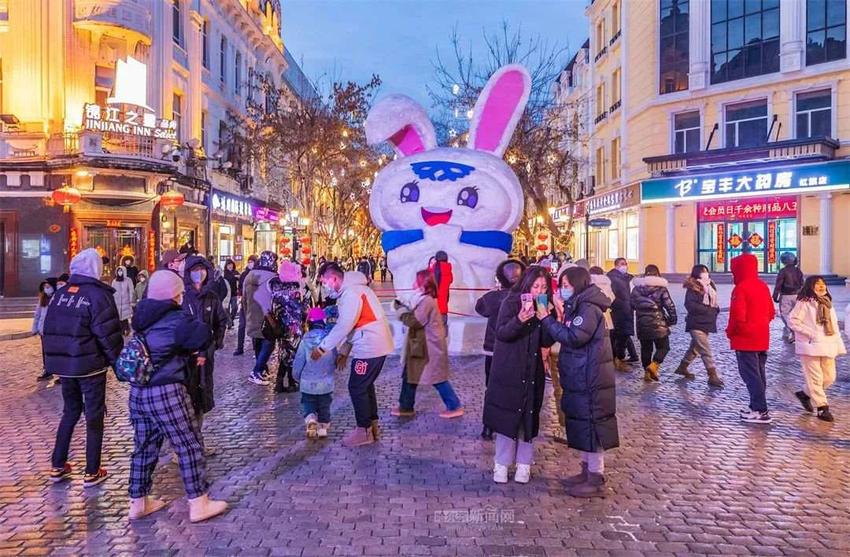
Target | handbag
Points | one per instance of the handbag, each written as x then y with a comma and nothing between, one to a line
272,328
134,364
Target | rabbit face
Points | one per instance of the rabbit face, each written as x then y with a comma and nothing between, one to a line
460,187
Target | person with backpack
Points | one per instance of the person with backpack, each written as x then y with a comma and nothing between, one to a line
289,310
508,273
655,313
703,308
815,324
257,302
789,282
161,407
750,313
82,339
315,379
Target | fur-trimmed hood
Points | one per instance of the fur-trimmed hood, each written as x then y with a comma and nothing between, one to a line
651,281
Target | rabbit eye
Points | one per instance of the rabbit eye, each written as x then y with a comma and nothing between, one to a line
468,197
410,192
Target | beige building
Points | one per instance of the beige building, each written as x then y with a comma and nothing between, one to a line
733,129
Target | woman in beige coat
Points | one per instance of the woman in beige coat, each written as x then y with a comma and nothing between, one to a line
425,356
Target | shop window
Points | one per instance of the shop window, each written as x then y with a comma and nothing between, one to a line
615,158
744,39
686,132
826,31
814,114
177,22
205,43
222,61
632,236
746,124
674,54
177,113
613,243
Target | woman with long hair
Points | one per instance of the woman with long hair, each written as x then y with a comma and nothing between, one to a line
818,342
703,308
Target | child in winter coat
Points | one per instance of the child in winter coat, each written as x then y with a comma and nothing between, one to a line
703,308
818,342
656,313
748,331
315,377
124,298
45,292
789,281
141,286
507,274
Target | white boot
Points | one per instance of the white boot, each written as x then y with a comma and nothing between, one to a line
201,508
522,474
312,425
500,474
143,506
323,430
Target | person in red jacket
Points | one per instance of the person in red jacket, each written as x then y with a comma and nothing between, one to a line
750,314
442,271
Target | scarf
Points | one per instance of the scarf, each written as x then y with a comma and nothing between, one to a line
824,314
709,294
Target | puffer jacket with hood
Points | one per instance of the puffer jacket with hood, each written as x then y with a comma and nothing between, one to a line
125,294
586,370
654,308
751,309
362,321
701,316
604,284
256,298
621,310
82,333
141,285
205,304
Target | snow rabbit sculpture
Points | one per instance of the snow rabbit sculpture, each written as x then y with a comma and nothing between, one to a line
464,201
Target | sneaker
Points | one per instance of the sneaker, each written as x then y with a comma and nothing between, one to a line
312,426
757,418
60,474
449,414
522,473
500,474
91,480
824,414
805,400
258,379
322,430
398,412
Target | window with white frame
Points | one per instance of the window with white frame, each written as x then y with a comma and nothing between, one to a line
222,60
600,35
237,73
600,166
746,124
204,137
632,236
177,22
615,158
615,18
615,86
613,243
177,113
686,132
600,99
826,31
814,114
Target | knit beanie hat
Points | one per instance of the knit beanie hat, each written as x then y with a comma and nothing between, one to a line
315,314
165,285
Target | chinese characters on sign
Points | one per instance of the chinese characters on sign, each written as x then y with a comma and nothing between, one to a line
151,250
73,243
771,242
748,209
232,206
129,122
721,243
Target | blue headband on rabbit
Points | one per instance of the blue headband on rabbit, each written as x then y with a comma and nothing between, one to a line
494,239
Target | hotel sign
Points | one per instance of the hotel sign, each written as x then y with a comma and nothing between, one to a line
730,183
232,206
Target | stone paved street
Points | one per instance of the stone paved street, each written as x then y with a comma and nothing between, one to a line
688,479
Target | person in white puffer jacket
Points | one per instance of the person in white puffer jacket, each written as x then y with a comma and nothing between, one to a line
818,342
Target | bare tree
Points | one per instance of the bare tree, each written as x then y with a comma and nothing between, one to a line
543,151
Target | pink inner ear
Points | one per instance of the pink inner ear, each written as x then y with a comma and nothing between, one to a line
498,111
407,140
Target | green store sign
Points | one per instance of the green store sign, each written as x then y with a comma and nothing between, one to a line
728,183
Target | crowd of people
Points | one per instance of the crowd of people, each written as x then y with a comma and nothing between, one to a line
552,318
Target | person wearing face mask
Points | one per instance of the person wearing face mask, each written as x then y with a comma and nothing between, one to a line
517,384
815,324
655,313
240,285
201,301
507,274
621,312
162,409
258,302
62,281
231,277
703,308
45,291
141,285
124,297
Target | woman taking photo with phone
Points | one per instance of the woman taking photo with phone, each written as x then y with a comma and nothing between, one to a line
515,392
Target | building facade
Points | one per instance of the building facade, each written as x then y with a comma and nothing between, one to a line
127,100
732,132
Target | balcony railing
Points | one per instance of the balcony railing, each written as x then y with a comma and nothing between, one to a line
617,104
615,37
601,116
600,54
816,148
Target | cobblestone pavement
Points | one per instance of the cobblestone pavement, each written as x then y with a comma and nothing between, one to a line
688,478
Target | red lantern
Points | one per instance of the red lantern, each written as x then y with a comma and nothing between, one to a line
305,240
542,247
305,251
66,196
171,199
542,237
286,251
305,261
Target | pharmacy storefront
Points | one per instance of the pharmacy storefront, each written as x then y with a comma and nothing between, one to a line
763,211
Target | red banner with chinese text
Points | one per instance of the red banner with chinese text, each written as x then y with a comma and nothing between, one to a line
747,209
771,242
721,243
151,251
73,243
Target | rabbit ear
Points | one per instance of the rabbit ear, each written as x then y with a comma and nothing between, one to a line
403,122
499,108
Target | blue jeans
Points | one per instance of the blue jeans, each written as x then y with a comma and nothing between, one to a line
317,404
751,366
407,398
266,347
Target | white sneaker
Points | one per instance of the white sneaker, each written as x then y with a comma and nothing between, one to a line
322,430
522,474
500,474
257,380
312,425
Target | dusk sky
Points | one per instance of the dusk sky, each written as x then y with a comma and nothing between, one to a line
398,39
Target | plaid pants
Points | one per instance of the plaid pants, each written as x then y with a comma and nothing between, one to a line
160,412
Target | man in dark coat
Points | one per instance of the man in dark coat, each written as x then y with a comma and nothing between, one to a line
240,334
586,370
82,339
621,312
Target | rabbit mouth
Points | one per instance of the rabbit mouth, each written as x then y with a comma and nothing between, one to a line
433,218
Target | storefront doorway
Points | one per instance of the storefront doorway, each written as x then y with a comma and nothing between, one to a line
765,228
115,244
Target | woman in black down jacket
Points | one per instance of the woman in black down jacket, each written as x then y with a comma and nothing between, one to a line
586,369
703,307
656,313
517,381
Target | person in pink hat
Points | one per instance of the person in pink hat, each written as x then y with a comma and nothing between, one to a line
315,377
288,306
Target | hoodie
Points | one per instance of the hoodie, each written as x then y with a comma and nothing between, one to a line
751,309
205,304
82,333
654,309
361,321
